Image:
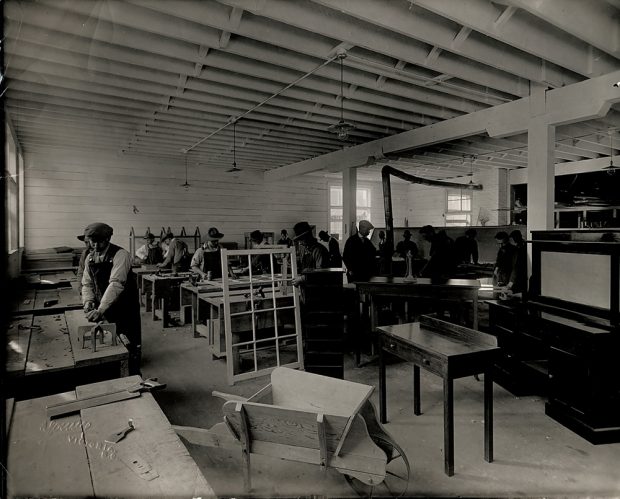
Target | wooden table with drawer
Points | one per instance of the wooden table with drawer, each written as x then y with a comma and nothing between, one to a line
449,351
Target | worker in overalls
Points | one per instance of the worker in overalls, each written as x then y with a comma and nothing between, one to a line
109,291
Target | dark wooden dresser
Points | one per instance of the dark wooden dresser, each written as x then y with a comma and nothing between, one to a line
323,322
564,341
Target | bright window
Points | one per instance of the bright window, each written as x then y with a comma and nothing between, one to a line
458,207
12,190
335,208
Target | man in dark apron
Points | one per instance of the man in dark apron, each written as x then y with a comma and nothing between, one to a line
109,291
207,261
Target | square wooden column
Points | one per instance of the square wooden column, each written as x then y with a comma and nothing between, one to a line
349,202
540,176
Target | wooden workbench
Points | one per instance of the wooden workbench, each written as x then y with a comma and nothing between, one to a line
57,288
211,306
68,457
449,351
140,272
384,289
162,294
189,303
44,354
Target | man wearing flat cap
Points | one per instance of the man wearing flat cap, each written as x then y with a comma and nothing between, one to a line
150,252
359,254
109,289
208,258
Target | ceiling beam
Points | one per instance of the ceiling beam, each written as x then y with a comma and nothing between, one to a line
594,22
577,102
342,27
521,33
458,40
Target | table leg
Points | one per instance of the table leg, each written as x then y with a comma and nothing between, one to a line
153,306
382,388
475,305
416,390
448,426
488,416
195,314
164,312
374,324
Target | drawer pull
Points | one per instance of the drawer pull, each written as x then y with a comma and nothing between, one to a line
392,345
426,362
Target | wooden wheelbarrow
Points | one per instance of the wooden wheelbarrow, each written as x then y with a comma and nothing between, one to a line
312,419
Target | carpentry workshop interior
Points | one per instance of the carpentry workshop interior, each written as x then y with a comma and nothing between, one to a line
311,248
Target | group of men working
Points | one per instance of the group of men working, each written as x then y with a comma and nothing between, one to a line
108,285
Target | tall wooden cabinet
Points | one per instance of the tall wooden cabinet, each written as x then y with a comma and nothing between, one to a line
569,329
323,322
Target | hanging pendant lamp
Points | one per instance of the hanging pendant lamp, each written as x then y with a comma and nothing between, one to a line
611,169
471,185
186,184
234,164
342,128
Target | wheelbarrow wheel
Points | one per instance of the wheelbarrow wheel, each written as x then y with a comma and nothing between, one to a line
397,472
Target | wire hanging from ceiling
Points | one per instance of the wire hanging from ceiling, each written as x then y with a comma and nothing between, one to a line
234,150
186,184
253,108
611,169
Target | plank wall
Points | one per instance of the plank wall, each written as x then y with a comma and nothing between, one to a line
66,190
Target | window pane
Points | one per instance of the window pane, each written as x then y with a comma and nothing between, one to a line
454,204
363,214
335,196
458,219
466,205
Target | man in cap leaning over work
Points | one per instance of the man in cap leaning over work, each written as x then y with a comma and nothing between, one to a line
109,291
208,258
150,252
177,258
359,254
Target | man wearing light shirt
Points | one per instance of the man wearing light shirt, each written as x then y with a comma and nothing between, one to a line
109,291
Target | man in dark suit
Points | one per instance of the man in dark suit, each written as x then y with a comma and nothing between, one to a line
335,258
360,254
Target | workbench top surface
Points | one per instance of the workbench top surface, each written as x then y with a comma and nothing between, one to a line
69,457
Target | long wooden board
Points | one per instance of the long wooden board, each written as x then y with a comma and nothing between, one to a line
85,356
17,343
50,349
153,442
46,459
